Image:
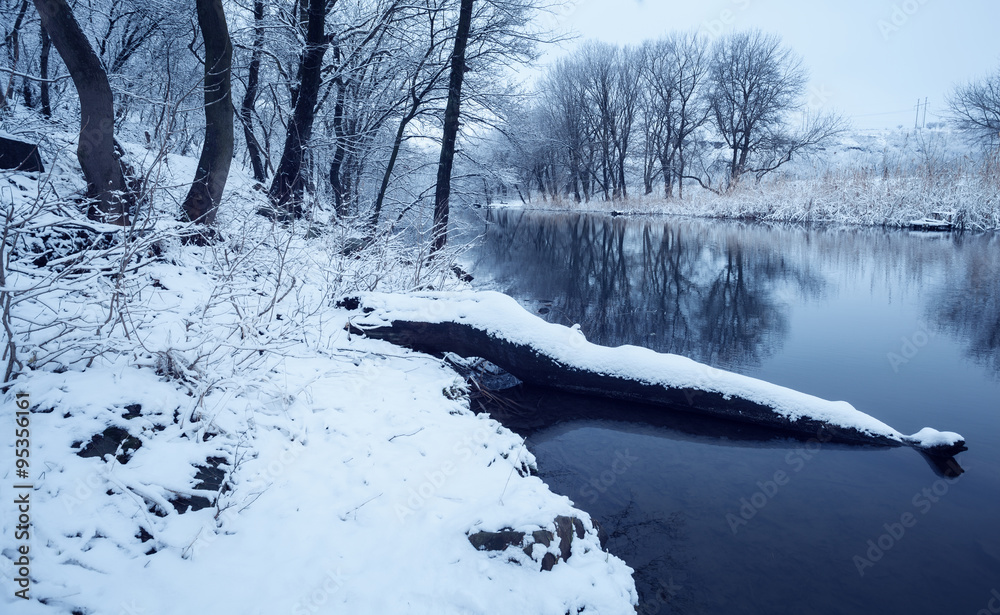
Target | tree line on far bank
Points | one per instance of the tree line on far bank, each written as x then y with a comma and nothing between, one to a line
684,111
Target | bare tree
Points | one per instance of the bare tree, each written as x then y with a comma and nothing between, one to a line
12,41
560,132
126,26
442,190
612,97
975,109
203,199
781,143
675,72
756,82
340,187
655,105
96,146
626,101
424,67
501,36
251,92
692,107
43,72
598,66
287,186
367,85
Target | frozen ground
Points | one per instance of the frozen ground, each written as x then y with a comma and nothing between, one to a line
353,470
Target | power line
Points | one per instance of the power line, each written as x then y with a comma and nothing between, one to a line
882,113
922,111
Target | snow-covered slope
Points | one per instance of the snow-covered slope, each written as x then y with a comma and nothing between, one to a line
354,471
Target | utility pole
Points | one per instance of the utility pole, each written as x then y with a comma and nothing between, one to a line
924,124
916,120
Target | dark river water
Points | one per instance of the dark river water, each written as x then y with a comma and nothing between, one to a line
719,518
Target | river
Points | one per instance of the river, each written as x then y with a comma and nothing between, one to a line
716,517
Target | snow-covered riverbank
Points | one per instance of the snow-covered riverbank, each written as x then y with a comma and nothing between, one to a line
973,203
870,178
354,471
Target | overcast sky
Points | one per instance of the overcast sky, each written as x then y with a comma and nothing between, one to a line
869,59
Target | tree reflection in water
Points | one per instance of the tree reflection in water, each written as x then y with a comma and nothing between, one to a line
967,306
709,293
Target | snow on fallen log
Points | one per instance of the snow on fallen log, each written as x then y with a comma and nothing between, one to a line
495,327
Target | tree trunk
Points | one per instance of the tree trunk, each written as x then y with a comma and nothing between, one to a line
605,173
96,147
287,187
13,43
203,199
250,97
680,174
668,178
340,149
43,69
648,174
734,164
387,175
623,186
442,191
740,160
575,174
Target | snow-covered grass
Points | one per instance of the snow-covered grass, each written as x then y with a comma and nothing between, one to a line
861,196
354,470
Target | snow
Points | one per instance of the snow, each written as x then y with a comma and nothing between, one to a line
334,505
930,438
355,470
502,317
930,224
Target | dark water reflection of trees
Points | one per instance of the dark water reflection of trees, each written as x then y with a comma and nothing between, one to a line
967,305
673,287
718,291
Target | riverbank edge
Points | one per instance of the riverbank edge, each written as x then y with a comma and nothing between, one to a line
965,203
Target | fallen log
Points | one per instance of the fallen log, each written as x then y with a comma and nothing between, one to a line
495,327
